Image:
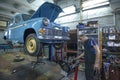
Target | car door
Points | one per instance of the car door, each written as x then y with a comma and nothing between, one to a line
16,29
8,34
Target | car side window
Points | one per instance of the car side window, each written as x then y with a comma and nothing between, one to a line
10,23
17,19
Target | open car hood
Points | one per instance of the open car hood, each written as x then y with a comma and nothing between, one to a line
48,10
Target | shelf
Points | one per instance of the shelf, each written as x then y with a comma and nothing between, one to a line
112,52
89,34
92,34
111,46
112,39
88,28
111,33
71,51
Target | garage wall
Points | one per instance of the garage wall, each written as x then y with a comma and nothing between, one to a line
117,20
104,15
69,20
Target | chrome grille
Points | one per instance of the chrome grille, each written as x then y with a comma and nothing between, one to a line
53,32
58,32
48,31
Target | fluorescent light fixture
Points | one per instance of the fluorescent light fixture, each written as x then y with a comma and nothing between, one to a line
94,3
97,5
68,10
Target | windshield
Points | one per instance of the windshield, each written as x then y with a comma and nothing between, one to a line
26,17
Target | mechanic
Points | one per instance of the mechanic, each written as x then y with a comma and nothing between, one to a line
92,56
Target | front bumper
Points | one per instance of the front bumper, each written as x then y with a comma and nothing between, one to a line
53,39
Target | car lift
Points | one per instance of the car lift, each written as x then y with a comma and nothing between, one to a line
58,55
76,73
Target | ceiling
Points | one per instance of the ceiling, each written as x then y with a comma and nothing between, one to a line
8,8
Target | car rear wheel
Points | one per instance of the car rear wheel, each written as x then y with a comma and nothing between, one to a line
32,45
58,45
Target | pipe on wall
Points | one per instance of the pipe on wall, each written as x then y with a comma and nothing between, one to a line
80,11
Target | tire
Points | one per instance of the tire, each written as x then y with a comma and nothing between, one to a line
32,45
58,45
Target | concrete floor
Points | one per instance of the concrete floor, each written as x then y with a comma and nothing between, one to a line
24,70
81,76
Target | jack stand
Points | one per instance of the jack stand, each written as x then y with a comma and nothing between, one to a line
34,63
76,73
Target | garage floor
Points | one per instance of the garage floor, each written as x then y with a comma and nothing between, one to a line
24,70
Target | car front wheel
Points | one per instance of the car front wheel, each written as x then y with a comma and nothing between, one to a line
32,45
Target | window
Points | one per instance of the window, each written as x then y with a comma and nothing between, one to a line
17,19
3,24
26,17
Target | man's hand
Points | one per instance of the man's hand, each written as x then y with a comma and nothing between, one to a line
76,58
80,56
96,66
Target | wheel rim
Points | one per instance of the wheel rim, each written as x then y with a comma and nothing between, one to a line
31,45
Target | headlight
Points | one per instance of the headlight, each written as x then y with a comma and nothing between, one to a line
46,21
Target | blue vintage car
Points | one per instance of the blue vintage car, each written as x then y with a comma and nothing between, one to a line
32,31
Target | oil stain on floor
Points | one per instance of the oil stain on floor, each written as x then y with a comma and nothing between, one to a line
24,70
